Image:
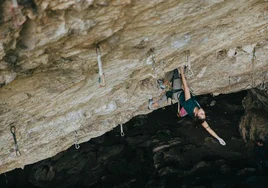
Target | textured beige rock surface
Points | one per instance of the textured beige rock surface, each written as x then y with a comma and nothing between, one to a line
49,71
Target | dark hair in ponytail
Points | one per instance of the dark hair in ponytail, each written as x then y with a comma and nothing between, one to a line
199,120
260,141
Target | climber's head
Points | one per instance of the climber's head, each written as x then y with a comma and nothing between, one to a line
260,142
200,115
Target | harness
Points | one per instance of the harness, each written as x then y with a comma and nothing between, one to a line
170,93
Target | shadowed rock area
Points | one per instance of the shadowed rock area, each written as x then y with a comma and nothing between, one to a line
158,150
49,74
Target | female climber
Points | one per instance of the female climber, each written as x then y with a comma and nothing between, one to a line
189,105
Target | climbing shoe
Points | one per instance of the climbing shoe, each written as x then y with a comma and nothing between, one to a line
176,74
161,84
150,104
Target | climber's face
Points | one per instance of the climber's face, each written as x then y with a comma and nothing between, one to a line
201,114
259,143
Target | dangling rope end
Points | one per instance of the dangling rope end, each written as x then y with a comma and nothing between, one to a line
76,145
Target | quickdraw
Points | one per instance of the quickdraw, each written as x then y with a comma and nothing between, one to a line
252,68
121,129
13,132
18,16
122,132
229,77
101,74
263,86
76,145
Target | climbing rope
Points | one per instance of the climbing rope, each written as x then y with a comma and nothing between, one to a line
18,16
101,74
121,128
76,145
13,132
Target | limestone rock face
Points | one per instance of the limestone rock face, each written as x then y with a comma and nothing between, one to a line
254,124
157,149
49,73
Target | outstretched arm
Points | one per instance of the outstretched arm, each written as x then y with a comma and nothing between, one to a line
212,133
186,89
